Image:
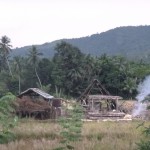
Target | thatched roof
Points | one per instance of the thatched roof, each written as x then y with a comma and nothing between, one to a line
103,97
36,91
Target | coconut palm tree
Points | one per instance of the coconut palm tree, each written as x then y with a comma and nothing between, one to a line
17,61
5,49
33,59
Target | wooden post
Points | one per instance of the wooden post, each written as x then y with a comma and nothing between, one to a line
117,104
92,104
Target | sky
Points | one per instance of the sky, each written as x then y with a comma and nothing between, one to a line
30,22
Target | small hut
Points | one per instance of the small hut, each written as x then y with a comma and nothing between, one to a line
99,105
38,104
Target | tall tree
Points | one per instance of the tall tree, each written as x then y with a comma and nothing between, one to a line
33,59
68,60
17,61
5,48
45,68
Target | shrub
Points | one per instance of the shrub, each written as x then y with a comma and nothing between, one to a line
7,118
71,127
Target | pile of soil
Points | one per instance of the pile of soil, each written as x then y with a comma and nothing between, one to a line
127,106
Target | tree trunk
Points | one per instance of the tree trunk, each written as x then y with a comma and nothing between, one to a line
38,77
19,85
9,67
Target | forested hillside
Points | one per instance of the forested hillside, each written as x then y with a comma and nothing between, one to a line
130,42
68,72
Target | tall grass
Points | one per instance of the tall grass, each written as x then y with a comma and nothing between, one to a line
45,135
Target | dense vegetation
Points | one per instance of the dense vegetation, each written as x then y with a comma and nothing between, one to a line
132,42
69,72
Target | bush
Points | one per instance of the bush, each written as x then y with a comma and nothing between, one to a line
7,118
145,145
71,127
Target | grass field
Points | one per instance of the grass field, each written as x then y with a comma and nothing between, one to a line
45,135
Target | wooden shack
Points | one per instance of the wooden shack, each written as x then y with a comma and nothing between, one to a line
38,104
100,105
102,102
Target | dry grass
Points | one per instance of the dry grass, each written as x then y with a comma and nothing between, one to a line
112,135
32,129
44,135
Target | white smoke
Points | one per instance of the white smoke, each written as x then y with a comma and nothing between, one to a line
143,91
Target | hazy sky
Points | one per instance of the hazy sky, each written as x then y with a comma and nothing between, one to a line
28,22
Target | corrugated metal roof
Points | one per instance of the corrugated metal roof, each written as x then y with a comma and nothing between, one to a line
38,91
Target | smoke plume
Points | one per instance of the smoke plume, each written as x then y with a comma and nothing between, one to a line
143,91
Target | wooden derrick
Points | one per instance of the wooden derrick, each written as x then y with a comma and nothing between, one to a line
94,83
101,105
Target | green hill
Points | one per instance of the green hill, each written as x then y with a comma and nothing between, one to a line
132,42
